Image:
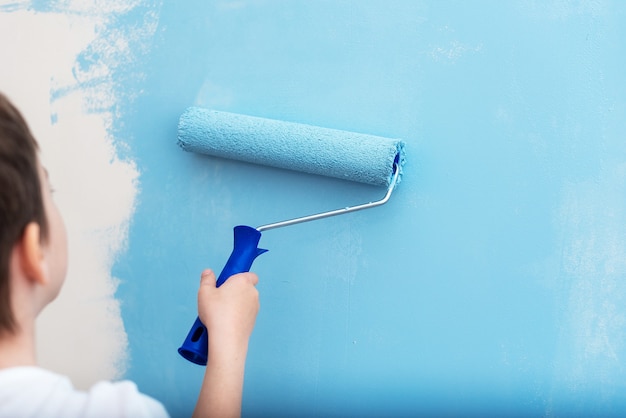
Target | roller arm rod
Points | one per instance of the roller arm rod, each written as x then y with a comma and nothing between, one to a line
336,212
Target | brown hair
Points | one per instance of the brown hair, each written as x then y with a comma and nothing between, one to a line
21,200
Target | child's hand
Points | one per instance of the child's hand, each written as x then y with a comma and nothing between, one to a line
228,312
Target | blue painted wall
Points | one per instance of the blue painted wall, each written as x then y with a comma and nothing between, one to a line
493,282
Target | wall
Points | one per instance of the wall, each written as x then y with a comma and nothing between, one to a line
491,284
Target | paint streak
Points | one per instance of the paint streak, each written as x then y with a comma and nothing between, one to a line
593,285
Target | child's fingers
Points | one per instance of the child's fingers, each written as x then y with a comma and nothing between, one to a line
248,277
207,278
254,279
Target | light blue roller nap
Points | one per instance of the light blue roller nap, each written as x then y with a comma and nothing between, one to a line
294,146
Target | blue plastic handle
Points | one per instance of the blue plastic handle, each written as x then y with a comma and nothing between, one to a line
245,251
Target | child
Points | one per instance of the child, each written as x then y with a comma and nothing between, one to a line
33,263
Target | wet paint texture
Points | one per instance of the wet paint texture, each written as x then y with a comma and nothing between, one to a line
291,146
494,281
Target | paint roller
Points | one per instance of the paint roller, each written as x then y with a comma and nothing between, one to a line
293,146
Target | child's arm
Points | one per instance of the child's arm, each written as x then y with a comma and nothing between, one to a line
229,313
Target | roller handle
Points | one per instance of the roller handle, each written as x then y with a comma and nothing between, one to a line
245,251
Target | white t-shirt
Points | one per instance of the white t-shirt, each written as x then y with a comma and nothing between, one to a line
36,392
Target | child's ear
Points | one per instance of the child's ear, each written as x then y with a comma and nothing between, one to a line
31,253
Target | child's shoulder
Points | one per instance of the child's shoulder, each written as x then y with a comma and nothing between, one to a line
34,391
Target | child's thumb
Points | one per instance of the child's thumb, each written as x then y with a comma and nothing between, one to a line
207,278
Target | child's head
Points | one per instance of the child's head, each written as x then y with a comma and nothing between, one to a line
25,202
